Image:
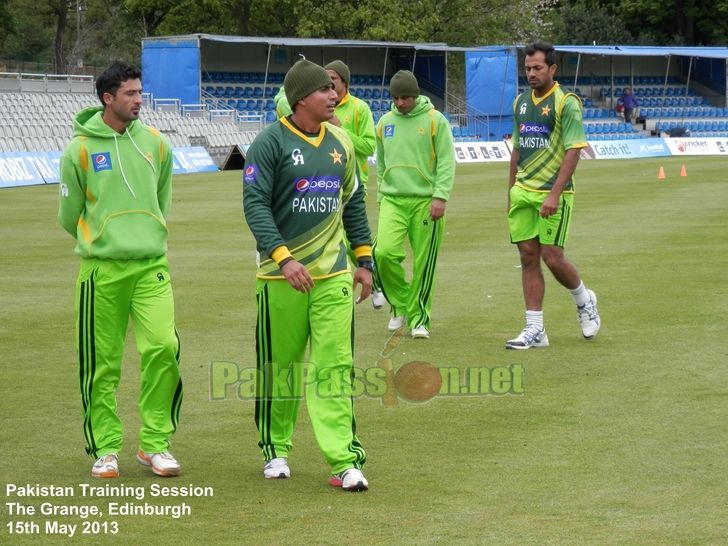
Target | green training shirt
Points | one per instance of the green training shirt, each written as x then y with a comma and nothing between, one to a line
543,129
300,192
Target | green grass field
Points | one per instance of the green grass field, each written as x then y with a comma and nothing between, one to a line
620,440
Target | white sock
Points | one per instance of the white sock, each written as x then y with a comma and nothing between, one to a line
580,295
534,318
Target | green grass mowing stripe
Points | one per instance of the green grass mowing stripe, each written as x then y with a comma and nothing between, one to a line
614,441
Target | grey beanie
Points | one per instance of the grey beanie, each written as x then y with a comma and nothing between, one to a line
404,84
341,69
304,78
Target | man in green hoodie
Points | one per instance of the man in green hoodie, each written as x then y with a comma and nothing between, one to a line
415,173
115,190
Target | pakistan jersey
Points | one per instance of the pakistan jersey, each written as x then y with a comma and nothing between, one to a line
544,129
298,189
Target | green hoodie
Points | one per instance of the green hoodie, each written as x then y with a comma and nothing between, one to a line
415,153
115,189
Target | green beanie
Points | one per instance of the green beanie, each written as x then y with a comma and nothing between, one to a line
341,69
404,84
304,78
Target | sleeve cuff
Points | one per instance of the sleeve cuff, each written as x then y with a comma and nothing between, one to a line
280,254
363,251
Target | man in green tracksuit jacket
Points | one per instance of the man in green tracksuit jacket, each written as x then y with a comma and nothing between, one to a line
300,194
115,190
415,173
354,116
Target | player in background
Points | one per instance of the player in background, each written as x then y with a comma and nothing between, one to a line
415,174
115,191
301,196
547,138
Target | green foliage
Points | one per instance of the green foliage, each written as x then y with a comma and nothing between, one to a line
114,28
587,22
32,39
192,16
692,22
7,26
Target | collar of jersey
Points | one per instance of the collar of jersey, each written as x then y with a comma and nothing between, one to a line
345,99
537,100
314,141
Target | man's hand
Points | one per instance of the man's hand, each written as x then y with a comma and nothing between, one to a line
549,206
364,277
437,209
297,276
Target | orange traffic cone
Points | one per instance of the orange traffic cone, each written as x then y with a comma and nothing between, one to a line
683,172
661,173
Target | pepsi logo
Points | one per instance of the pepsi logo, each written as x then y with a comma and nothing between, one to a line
100,159
302,185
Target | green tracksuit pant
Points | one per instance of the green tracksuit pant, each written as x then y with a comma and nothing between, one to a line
408,218
108,292
287,321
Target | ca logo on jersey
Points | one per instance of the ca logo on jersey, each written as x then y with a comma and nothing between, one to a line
297,157
523,109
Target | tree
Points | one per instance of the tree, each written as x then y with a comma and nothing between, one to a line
7,27
588,21
689,22
149,14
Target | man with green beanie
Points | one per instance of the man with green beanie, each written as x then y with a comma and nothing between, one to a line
354,116
301,196
351,114
415,173
115,191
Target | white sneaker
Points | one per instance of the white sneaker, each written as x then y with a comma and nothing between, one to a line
378,299
106,467
531,336
276,468
395,323
163,464
350,480
588,316
420,333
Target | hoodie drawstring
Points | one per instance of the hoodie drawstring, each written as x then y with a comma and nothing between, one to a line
121,166
154,170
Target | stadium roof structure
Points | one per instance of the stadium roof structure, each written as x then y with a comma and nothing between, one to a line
192,55
648,51
321,42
